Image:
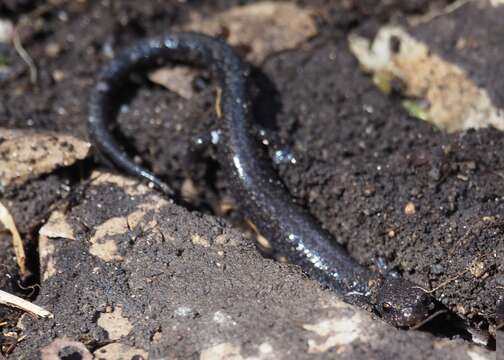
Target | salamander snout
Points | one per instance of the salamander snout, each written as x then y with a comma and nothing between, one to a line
402,303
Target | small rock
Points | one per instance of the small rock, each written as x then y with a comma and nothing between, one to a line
369,191
52,50
477,269
410,209
58,75
199,240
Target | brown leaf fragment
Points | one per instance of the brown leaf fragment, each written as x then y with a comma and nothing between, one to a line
115,323
27,154
263,28
444,93
7,221
178,79
57,227
259,30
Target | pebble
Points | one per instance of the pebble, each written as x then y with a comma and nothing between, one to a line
369,191
410,209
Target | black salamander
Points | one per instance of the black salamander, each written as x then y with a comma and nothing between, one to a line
264,200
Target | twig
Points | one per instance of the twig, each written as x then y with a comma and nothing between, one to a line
218,103
19,303
18,46
446,282
16,39
428,319
32,288
417,20
7,220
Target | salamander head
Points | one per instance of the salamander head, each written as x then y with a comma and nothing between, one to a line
402,303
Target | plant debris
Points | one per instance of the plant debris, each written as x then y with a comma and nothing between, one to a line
8,222
19,303
454,101
257,30
27,154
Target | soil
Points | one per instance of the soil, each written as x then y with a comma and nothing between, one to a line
360,158
359,178
178,298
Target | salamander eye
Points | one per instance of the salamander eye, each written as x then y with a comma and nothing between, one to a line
386,306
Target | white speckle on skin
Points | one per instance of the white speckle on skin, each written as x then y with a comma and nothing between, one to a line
183,311
215,135
238,166
368,108
222,318
102,86
284,156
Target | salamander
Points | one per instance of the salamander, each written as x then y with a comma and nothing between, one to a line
263,198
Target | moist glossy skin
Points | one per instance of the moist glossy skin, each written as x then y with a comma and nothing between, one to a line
500,312
291,230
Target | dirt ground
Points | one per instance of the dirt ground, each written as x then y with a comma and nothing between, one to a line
398,192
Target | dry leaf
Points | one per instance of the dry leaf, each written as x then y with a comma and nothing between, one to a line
259,29
264,28
26,154
178,79
8,222
131,186
57,226
453,101
103,244
115,324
